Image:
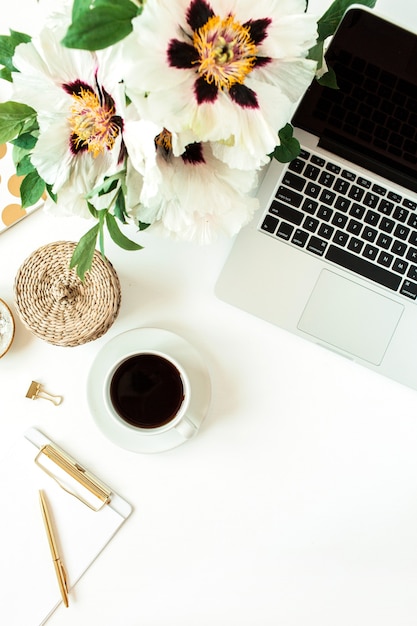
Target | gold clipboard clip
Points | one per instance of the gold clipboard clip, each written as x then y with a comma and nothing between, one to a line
70,469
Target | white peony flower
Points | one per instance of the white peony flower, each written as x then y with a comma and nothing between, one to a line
80,107
194,196
221,71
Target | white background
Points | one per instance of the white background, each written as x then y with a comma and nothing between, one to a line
297,502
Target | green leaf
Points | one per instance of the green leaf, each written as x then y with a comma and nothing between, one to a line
6,74
24,166
143,225
289,147
27,141
31,189
110,183
101,24
316,54
328,23
329,79
79,7
8,45
101,220
120,207
18,155
51,194
82,257
118,237
14,117
92,210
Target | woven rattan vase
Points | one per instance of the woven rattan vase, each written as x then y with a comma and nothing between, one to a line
55,305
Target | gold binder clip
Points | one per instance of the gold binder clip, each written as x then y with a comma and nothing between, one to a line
65,470
37,391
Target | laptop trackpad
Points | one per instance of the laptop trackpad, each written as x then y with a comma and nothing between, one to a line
350,317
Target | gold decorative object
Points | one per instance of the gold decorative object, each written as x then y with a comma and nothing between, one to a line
36,391
56,305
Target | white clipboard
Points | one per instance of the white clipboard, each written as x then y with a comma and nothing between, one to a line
29,587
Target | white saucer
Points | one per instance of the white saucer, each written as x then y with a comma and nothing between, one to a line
127,343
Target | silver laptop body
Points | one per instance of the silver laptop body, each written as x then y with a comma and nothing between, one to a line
304,273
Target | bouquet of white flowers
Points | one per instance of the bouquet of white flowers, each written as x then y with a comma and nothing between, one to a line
158,112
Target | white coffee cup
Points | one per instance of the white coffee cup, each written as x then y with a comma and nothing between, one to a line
149,392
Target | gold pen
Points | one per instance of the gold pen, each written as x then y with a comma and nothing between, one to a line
59,568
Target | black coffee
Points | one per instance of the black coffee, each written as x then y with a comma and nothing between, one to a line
146,390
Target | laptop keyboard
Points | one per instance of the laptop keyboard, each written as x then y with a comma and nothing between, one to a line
349,220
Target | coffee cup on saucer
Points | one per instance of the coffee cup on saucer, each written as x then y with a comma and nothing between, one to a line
148,390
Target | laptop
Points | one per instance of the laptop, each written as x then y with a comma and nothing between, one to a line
331,255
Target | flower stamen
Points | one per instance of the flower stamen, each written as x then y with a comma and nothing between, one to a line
93,121
163,141
226,51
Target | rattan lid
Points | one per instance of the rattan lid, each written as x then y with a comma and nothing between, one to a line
55,305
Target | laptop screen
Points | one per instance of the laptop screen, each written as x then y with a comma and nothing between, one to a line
371,119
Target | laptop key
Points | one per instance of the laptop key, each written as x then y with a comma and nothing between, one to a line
410,204
324,213
400,266
311,172
332,167
341,238
318,160
285,230
312,190
384,241
401,214
385,258
412,272
386,225
327,197
412,220
325,231
289,196
317,245
309,206
369,234
354,227
348,175
409,289
370,252
412,255
311,224
269,224
286,212
355,245
398,247
401,232
339,220
342,204
356,193
296,165
326,179
362,267
293,181
385,207
300,238
341,186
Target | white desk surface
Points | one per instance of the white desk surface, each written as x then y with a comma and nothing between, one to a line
297,502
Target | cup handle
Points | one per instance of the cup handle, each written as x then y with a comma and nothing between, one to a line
186,428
